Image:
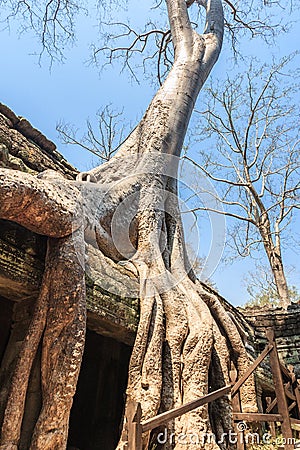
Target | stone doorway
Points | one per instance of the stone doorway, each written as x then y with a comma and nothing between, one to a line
98,405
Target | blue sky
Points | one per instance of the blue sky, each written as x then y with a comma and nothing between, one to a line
74,91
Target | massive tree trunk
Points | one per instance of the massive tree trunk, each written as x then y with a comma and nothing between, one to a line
185,340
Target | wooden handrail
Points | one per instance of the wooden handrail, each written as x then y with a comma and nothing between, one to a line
251,369
286,372
136,428
154,422
271,405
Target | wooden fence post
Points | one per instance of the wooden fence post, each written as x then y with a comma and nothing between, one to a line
236,407
134,427
271,424
280,392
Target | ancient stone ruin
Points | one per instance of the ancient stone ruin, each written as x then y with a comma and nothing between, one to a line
112,319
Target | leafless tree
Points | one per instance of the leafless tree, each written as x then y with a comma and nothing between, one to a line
262,288
52,21
103,141
251,123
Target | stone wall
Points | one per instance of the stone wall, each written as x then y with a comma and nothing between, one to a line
286,324
24,148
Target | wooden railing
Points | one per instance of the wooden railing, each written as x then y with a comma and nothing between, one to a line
136,427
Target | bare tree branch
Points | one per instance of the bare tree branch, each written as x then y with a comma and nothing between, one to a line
111,134
52,21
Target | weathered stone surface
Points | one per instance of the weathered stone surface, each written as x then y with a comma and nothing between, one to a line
21,262
21,270
286,324
24,148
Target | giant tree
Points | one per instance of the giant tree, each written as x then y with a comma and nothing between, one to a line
128,209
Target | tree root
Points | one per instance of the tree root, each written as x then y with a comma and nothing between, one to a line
195,342
184,343
59,320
